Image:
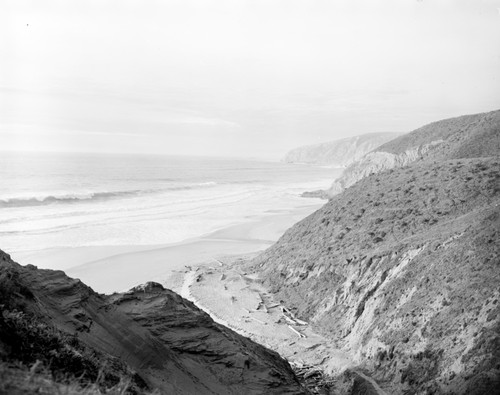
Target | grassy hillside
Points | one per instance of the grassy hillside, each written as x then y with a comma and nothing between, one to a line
469,136
440,130
402,269
458,131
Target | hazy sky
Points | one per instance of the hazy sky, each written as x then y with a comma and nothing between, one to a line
249,78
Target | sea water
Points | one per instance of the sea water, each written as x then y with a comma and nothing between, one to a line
50,200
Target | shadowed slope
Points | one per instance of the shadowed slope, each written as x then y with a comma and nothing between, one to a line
151,333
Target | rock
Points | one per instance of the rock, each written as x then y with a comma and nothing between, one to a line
149,287
320,194
338,153
151,334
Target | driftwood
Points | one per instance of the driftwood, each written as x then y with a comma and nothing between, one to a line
219,262
262,306
256,319
296,332
314,379
290,317
312,347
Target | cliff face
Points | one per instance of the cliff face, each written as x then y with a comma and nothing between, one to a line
339,153
402,268
463,137
150,336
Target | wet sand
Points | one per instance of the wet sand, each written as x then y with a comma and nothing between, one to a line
110,269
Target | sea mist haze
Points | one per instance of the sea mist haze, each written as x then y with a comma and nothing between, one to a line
250,197
73,200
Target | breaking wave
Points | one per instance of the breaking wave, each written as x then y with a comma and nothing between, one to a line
91,196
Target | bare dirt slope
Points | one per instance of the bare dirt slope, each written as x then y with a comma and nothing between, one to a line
150,336
402,268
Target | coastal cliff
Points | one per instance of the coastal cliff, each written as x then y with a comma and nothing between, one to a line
401,269
146,339
398,273
466,136
338,153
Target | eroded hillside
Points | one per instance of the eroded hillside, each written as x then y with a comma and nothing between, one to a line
468,136
148,338
402,269
338,153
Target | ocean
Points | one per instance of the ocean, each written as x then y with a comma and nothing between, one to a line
74,200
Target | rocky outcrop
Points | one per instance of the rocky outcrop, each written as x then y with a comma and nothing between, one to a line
401,270
376,162
338,153
149,334
463,137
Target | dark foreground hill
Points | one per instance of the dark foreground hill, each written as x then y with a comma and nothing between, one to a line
58,336
402,269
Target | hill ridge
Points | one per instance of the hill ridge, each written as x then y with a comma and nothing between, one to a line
461,137
148,336
400,267
338,153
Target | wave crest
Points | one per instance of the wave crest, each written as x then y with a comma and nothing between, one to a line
91,196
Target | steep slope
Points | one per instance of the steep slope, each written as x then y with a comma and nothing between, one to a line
402,270
468,136
148,335
338,153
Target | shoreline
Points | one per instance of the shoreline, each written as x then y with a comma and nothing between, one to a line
117,268
240,302
207,270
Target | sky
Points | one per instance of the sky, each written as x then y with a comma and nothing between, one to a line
242,78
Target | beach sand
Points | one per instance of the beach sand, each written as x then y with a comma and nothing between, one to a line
208,271
110,269
241,302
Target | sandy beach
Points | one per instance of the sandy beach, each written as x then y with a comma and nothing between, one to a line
207,270
240,301
117,268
